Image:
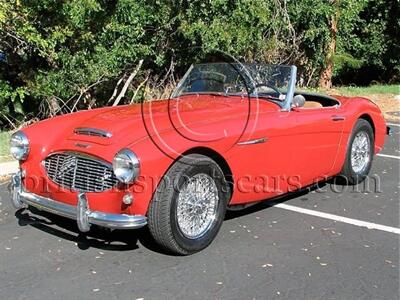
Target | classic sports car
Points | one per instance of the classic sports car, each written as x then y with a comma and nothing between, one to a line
229,135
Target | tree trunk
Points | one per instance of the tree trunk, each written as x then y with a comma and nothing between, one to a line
127,83
325,76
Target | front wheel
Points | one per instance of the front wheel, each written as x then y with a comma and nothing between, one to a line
359,153
189,205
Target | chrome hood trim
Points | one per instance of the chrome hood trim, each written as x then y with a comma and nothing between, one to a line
92,132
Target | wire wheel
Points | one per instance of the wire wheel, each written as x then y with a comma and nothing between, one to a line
360,152
197,206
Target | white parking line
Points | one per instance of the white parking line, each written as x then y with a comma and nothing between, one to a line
391,124
338,218
389,156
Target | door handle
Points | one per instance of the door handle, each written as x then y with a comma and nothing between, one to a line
338,118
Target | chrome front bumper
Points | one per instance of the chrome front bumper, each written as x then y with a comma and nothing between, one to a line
81,213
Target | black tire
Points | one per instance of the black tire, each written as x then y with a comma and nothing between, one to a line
348,173
162,215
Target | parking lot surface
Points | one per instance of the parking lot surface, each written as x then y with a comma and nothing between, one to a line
264,252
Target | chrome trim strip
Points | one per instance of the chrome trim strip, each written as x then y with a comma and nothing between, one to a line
114,221
92,132
338,118
252,142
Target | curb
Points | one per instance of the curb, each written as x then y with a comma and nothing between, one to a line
8,168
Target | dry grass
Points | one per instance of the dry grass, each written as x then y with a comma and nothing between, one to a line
385,96
4,145
5,178
388,104
393,89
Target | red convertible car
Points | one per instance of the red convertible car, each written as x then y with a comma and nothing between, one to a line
229,135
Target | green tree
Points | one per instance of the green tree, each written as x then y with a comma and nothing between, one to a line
60,56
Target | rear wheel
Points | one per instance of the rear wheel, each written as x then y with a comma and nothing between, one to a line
359,153
189,205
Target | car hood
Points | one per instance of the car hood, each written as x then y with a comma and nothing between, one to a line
124,123
135,122
130,124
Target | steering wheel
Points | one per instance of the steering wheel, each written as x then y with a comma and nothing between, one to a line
267,85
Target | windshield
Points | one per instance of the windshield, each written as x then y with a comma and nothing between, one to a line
272,82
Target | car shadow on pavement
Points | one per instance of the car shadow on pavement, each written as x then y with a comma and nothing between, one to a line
258,206
123,240
97,237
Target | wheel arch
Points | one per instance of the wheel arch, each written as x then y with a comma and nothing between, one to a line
218,158
350,176
369,119
365,115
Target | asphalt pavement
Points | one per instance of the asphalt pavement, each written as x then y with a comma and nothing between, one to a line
264,252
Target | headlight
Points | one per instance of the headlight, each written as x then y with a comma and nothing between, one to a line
126,166
19,145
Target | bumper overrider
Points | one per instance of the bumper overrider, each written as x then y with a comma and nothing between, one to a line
81,213
389,131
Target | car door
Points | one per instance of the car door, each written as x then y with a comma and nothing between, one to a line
316,142
262,158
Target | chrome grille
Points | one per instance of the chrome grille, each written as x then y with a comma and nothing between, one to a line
80,172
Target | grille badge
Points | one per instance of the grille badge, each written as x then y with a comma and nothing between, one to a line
68,166
81,145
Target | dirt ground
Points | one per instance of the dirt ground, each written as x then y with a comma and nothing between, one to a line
388,104
4,178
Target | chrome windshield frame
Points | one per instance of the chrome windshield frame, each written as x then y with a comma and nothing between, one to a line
285,105
180,83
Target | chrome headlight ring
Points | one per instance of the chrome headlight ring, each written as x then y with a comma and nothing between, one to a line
19,145
126,166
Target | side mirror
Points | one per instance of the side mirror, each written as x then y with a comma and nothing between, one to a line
298,101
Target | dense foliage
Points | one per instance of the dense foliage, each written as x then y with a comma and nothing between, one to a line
58,56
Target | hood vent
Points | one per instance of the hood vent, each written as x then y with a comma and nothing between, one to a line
92,132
